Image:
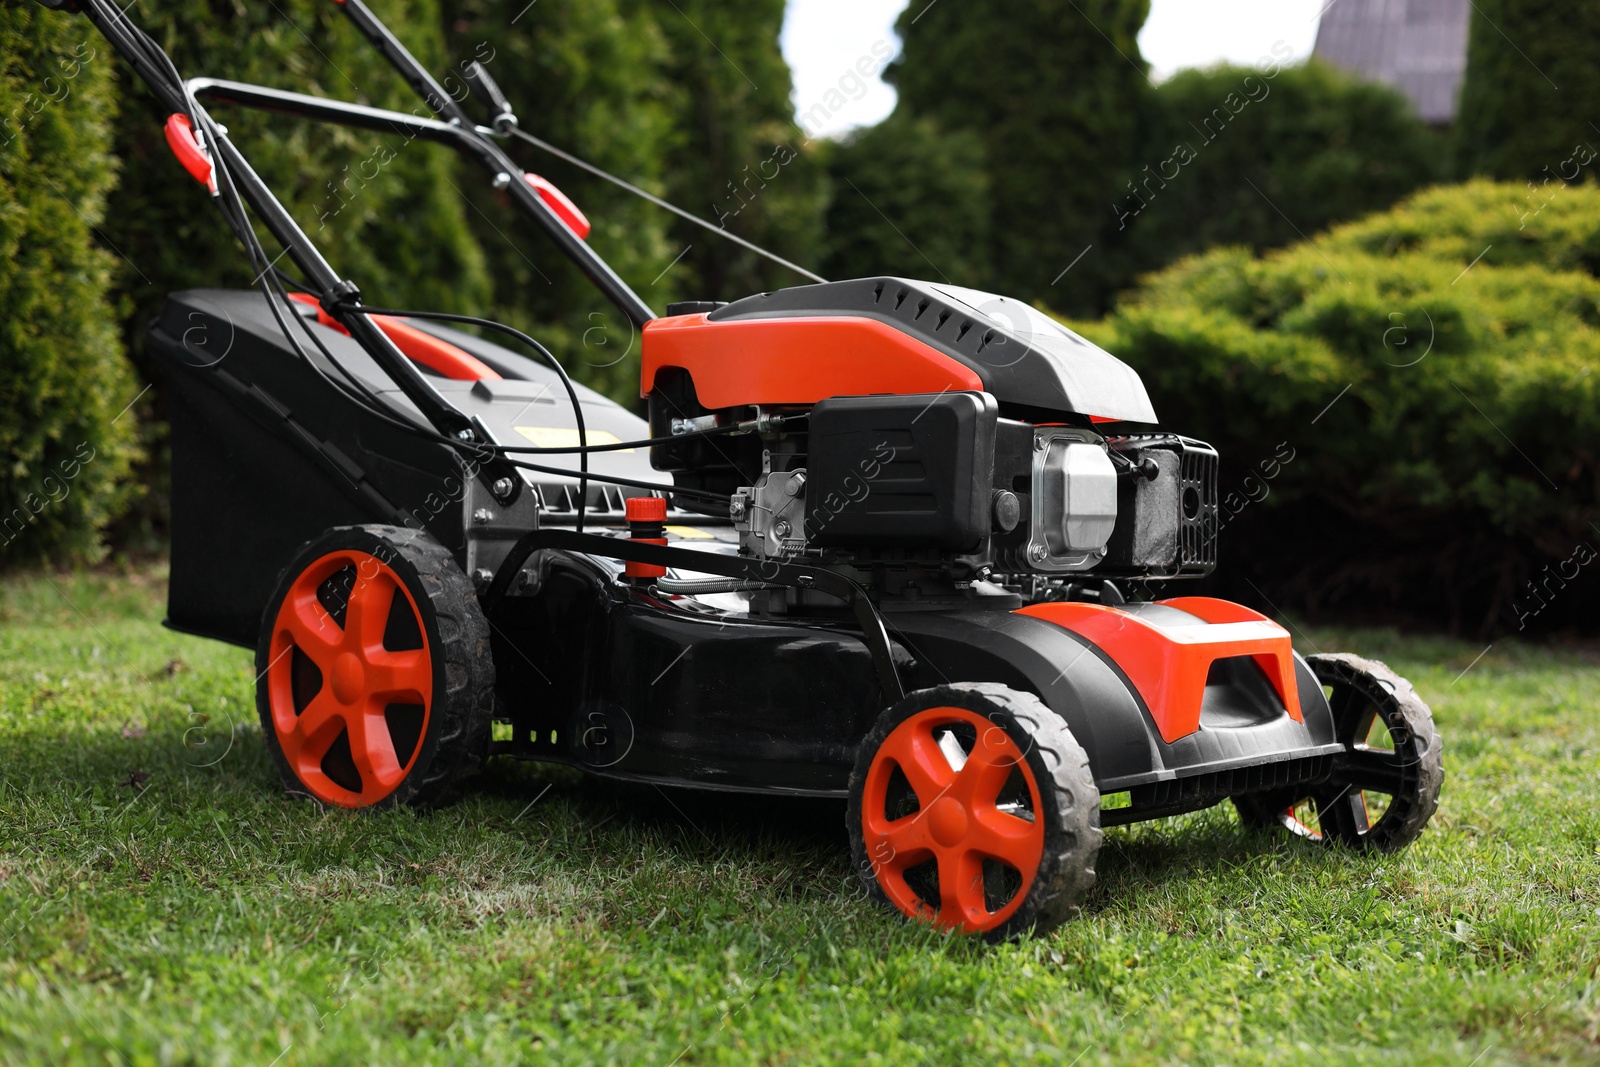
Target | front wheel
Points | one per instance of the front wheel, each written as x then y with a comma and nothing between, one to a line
374,678
972,806
1385,786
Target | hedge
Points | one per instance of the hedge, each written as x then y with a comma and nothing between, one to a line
1435,371
1057,93
1528,102
935,187
1261,156
1085,164
64,385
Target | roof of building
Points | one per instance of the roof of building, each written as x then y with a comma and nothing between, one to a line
1417,46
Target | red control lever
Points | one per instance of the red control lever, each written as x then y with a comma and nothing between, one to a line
182,141
558,202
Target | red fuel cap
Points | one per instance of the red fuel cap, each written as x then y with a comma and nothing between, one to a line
646,509
645,517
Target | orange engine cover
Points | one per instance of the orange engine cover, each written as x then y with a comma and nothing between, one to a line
1168,663
797,360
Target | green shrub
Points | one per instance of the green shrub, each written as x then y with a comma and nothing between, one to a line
63,381
1261,156
932,184
1442,401
1057,93
1527,105
1457,222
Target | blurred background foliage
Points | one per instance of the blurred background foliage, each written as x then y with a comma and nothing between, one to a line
1275,153
948,203
1525,103
736,157
1440,397
1060,108
1232,232
65,444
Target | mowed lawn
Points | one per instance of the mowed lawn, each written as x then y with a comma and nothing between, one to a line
161,901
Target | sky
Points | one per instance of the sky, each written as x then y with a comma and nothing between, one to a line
827,43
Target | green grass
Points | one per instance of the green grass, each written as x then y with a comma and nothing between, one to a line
161,901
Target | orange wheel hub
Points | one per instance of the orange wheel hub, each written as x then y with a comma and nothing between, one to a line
959,824
334,682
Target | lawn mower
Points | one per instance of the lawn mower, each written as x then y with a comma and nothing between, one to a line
890,541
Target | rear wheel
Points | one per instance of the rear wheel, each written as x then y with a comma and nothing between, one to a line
374,679
972,806
1385,786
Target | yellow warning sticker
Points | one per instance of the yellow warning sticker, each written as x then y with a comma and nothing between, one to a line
566,437
688,533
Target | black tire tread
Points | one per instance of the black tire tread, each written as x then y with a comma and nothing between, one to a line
1077,801
467,721
1407,815
1417,806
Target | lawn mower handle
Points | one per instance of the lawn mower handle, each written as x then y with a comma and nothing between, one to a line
471,140
399,56
483,86
495,159
337,295
323,109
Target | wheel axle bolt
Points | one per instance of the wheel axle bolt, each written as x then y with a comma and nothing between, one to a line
483,516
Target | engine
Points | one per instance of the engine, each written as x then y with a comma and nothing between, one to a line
946,430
